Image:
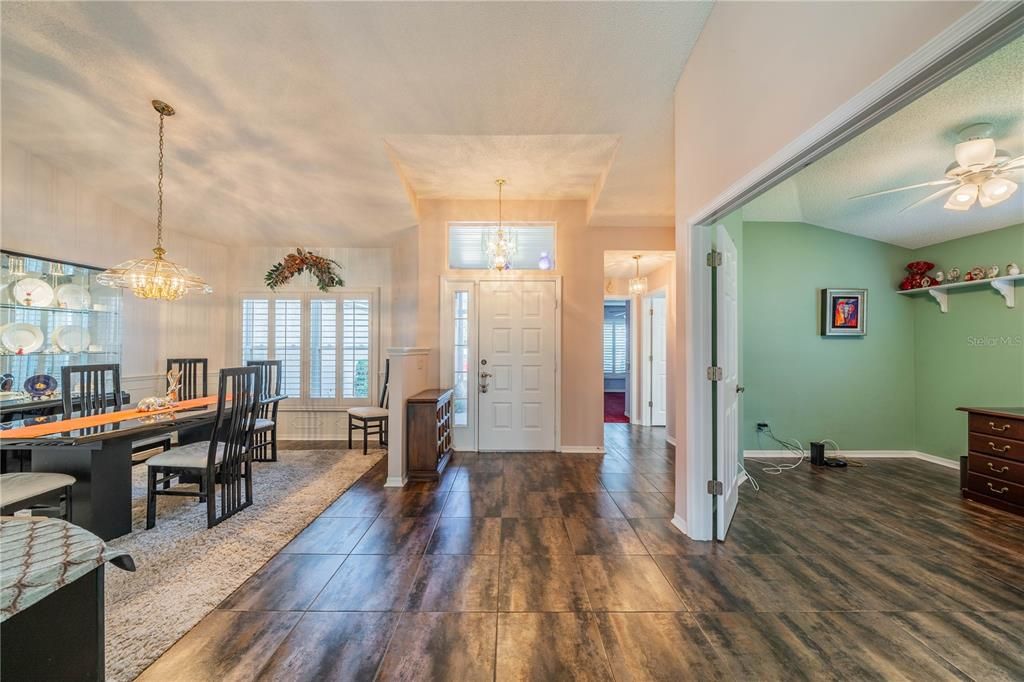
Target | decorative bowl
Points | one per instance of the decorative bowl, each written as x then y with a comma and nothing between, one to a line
40,385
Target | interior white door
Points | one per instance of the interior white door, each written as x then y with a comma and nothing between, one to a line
659,361
516,366
728,392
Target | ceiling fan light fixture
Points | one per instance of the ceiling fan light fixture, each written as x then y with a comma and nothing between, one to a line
962,198
975,154
996,190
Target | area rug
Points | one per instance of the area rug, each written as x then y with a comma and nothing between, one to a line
615,408
184,569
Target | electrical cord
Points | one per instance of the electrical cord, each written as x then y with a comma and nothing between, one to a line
794,446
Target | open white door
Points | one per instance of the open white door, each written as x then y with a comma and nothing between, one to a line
727,402
659,362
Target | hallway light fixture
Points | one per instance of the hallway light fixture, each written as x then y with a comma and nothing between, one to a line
638,284
156,277
501,246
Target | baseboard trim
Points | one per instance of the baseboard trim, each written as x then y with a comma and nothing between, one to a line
860,454
582,449
396,481
680,523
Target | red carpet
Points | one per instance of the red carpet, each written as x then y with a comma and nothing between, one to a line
615,408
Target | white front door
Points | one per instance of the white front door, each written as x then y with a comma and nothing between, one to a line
728,395
516,365
659,362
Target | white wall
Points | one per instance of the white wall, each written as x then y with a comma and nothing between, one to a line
47,212
761,74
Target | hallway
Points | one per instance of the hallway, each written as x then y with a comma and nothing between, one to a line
548,566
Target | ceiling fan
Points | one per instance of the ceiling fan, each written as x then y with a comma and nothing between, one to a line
978,174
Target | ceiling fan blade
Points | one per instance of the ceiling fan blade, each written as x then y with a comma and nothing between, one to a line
936,195
1011,163
933,183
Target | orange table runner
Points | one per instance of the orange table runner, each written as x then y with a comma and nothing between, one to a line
63,425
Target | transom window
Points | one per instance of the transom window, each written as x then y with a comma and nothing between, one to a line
535,245
328,343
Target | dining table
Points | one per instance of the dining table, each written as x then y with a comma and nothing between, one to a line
97,450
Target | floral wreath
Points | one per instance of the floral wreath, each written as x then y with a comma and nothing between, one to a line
296,263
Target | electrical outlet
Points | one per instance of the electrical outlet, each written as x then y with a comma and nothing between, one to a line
762,426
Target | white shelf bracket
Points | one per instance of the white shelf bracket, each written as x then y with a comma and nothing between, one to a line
1005,288
942,297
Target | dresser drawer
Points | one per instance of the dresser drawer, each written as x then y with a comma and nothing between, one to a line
996,426
996,467
996,489
994,445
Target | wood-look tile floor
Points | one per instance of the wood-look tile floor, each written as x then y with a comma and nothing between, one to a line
551,567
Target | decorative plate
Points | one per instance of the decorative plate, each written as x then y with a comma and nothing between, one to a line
6,382
73,296
21,337
32,292
71,339
39,385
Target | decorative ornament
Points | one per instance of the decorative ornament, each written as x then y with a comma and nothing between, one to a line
155,403
939,276
918,276
544,262
993,271
156,277
173,384
974,275
1013,269
953,275
296,263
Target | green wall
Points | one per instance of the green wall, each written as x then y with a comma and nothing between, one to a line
897,388
974,354
858,391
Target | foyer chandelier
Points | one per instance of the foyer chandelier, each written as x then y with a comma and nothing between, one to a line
156,277
501,246
638,284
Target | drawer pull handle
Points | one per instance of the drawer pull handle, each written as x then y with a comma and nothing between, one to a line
1001,491
992,446
1000,470
992,425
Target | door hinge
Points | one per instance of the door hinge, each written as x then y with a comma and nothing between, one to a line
715,488
714,258
715,373
650,403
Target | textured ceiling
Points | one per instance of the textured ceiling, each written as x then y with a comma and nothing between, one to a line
284,108
912,146
535,166
620,264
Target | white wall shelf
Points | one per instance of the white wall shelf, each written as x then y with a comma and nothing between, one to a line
940,292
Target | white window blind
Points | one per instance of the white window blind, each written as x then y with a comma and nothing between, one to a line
460,346
355,352
323,348
467,245
288,343
615,345
255,329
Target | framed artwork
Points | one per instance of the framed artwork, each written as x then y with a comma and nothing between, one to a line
844,312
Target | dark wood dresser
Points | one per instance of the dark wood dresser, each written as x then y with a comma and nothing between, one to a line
429,433
995,457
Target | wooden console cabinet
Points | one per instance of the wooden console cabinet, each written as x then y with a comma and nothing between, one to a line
995,457
428,441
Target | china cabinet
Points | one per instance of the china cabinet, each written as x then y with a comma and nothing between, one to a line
52,313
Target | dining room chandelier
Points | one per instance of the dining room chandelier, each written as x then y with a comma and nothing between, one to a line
156,277
638,284
501,246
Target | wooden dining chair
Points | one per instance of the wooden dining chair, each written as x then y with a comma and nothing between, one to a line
372,420
99,388
193,376
264,440
223,460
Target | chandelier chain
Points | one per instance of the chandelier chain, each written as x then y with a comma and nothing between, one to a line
160,190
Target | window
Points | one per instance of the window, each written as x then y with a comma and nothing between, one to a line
467,245
327,344
615,344
460,347
355,352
